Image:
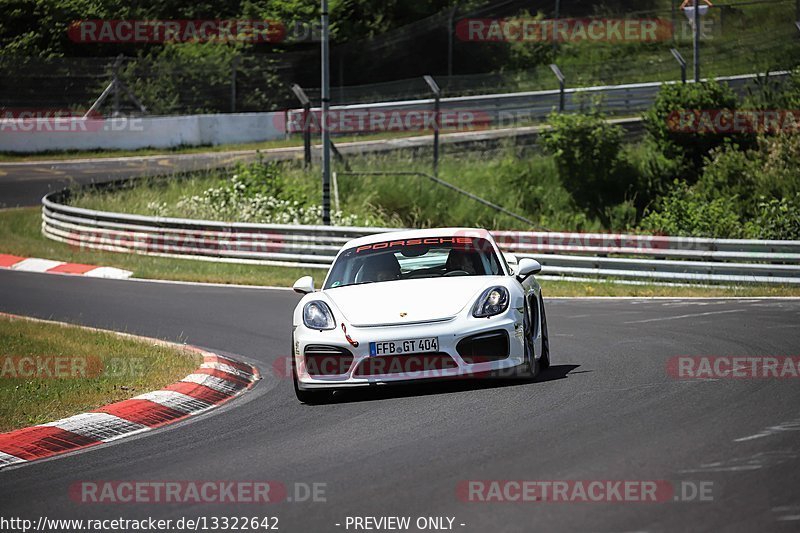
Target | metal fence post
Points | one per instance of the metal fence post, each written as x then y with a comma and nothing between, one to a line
696,41
679,58
437,92
561,86
306,103
307,135
335,184
326,134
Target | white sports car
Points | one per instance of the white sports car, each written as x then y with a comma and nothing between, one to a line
415,305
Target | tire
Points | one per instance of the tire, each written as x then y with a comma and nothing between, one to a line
530,368
544,360
309,397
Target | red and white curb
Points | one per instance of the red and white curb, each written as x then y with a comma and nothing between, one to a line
218,380
34,264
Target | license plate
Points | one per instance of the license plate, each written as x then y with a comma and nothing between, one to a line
429,344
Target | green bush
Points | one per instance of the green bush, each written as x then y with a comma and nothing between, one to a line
272,179
674,102
771,170
588,155
779,175
260,192
767,93
730,173
654,173
741,193
685,212
541,195
776,219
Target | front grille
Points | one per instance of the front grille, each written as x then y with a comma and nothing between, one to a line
405,364
327,360
484,347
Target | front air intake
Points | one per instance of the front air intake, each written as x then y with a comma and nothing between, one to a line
484,347
327,360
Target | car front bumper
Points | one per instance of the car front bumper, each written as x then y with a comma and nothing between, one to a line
350,370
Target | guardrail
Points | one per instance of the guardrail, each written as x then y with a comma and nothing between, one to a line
657,258
509,109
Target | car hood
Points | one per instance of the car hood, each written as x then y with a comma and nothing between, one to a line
408,301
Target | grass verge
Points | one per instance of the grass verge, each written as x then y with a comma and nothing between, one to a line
20,234
609,288
48,372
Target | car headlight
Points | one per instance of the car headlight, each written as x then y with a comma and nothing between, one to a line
317,315
492,301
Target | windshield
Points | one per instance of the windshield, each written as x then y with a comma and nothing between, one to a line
432,257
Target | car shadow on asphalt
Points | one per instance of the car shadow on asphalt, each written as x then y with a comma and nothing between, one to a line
447,386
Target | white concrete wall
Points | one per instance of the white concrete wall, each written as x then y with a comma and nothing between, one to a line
43,134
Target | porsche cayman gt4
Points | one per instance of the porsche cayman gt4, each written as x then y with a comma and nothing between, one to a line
415,305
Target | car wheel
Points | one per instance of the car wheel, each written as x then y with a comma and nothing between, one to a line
530,368
310,397
544,360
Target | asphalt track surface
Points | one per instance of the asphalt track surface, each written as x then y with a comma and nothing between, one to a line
607,409
24,183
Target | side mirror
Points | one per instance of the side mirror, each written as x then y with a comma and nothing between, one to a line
304,285
511,259
528,267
